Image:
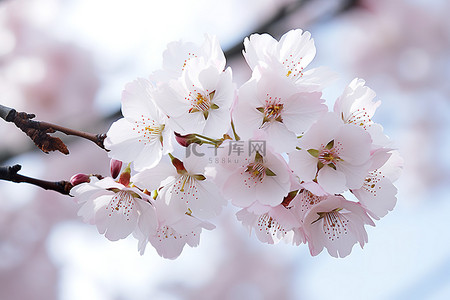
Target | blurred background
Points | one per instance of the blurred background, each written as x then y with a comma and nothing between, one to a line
67,61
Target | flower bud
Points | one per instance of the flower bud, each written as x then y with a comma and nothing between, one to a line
115,167
186,140
79,178
125,176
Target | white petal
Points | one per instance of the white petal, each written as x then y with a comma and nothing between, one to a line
208,202
303,164
321,132
302,110
151,179
354,144
332,181
297,46
257,48
280,138
149,156
119,217
378,195
137,100
148,221
354,175
315,80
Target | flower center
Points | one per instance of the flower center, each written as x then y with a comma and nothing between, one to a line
329,155
257,171
202,102
149,129
271,111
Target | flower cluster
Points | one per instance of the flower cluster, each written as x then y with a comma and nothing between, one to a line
297,171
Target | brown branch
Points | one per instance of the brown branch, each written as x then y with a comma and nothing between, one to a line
39,132
9,173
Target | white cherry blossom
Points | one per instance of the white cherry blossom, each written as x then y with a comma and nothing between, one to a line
169,240
116,209
356,106
199,101
142,136
249,175
274,105
337,155
271,224
288,58
336,224
179,55
378,193
183,188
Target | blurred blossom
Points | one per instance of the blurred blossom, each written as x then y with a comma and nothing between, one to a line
402,48
40,74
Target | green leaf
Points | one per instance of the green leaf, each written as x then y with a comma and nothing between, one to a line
260,109
214,106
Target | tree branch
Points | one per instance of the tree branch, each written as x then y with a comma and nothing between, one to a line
39,132
9,173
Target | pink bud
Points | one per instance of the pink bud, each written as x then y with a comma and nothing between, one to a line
186,140
115,167
79,178
125,176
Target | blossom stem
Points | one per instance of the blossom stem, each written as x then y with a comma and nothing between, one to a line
236,137
39,131
212,141
10,173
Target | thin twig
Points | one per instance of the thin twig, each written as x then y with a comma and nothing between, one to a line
9,173
39,132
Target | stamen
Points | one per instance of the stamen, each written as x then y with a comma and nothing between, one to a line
257,171
149,129
272,110
293,67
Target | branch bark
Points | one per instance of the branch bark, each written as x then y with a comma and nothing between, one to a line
39,131
10,173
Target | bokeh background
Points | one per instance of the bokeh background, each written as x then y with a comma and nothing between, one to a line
67,61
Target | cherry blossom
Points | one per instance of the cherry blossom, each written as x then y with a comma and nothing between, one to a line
179,57
273,150
337,155
273,104
288,58
116,209
249,175
271,224
169,240
336,224
141,136
183,188
199,101
356,106
378,193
